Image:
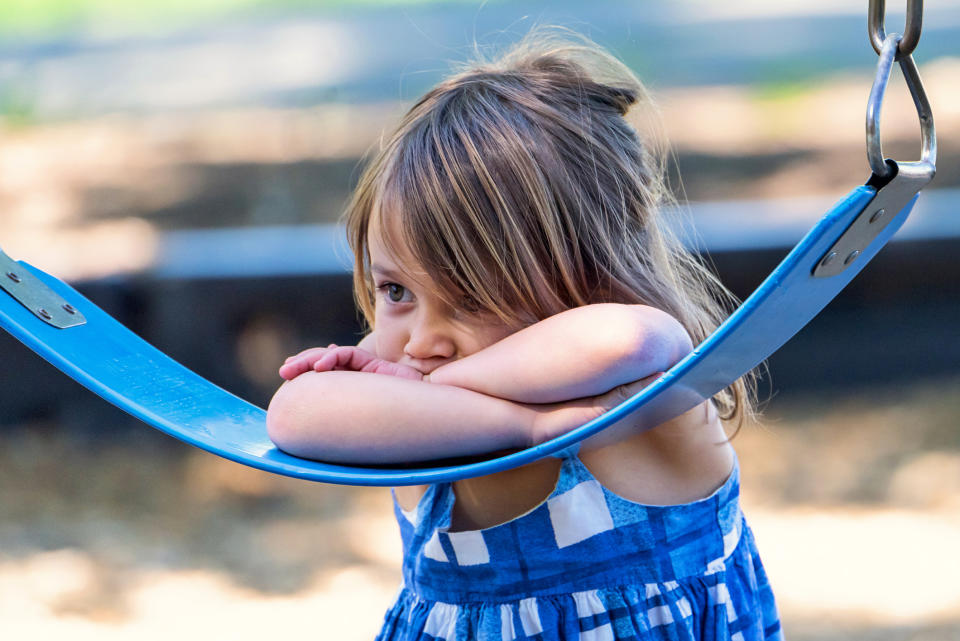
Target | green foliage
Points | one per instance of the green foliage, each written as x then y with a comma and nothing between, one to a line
16,107
784,79
783,90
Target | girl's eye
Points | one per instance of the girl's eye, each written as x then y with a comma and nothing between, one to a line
395,293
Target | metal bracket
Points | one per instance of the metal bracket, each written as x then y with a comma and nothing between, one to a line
45,304
891,198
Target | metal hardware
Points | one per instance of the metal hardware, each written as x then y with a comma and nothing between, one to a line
911,30
909,178
33,294
928,134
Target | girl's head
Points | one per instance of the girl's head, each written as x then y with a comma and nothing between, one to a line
518,189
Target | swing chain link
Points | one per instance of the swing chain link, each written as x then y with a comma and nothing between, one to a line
896,48
911,31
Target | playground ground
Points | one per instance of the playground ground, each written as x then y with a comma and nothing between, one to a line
855,501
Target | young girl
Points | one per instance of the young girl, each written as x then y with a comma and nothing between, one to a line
518,278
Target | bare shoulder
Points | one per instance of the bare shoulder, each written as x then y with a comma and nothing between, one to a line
682,460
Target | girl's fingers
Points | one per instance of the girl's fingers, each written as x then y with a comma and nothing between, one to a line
289,371
322,359
345,358
307,357
357,359
309,351
329,360
302,362
408,372
302,354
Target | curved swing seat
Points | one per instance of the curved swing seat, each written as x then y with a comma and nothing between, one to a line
84,342
115,363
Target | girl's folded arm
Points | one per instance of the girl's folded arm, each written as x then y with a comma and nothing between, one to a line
356,417
578,353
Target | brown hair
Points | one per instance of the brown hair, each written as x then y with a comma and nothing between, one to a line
523,191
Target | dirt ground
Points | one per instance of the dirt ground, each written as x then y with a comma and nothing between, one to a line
855,502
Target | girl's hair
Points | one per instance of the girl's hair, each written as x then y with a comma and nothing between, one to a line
521,189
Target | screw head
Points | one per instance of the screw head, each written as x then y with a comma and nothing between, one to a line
67,307
853,255
828,259
44,314
877,215
13,276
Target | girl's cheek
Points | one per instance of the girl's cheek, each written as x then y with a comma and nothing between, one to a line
493,333
390,341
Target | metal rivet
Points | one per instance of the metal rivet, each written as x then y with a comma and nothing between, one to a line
877,215
828,259
12,276
67,307
44,314
849,259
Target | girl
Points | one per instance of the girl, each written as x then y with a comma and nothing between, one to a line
518,278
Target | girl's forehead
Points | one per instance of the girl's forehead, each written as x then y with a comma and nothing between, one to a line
389,251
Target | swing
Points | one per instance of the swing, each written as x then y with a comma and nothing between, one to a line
84,342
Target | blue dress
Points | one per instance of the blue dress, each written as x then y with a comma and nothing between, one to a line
586,564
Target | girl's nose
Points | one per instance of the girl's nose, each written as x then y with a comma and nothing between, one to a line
429,340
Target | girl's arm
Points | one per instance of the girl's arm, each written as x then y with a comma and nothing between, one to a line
513,394
578,353
358,417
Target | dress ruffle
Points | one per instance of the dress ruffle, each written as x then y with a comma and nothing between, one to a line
585,565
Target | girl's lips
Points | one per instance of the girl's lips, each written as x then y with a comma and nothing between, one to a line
426,367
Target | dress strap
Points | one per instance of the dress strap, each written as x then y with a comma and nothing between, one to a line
567,452
573,472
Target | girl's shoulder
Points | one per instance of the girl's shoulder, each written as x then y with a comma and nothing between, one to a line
682,460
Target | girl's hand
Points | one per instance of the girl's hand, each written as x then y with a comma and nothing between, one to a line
555,419
334,357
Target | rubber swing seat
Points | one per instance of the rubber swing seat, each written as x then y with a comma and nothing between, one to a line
115,363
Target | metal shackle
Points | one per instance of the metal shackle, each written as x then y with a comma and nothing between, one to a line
911,30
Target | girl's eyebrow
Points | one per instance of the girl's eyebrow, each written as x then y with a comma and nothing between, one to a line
399,275
385,271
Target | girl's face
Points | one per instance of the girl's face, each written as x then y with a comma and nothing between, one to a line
412,324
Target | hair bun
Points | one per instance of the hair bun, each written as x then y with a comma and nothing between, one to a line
619,98
584,75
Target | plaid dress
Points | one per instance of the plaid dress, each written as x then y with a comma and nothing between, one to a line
584,565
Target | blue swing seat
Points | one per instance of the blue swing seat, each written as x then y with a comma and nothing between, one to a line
115,363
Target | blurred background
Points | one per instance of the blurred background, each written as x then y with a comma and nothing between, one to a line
184,164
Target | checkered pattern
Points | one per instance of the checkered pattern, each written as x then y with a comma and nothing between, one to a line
585,565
